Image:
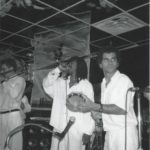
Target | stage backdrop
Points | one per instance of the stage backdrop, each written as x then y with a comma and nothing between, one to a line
69,38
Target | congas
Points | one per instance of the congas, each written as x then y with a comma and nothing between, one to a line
74,100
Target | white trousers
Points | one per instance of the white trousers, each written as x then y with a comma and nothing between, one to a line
8,122
115,140
72,141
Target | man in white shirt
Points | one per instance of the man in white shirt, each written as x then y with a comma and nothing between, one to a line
118,116
58,87
11,92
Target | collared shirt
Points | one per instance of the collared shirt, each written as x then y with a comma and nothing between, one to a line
11,92
58,89
116,92
84,122
55,87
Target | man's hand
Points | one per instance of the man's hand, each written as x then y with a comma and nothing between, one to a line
85,139
22,106
96,116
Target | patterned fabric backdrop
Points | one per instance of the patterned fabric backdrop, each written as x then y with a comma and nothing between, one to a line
70,38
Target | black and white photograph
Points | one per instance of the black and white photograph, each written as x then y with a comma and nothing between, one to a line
74,75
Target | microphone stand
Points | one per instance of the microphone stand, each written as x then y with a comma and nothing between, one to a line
21,127
61,135
139,120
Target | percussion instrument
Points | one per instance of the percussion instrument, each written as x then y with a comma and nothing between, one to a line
74,100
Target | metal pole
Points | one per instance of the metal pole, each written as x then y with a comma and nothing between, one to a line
139,120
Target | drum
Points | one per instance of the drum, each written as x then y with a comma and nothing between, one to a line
74,100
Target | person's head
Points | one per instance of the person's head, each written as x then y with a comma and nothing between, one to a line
78,67
8,66
109,60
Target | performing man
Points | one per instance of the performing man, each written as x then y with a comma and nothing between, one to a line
11,91
69,77
118,116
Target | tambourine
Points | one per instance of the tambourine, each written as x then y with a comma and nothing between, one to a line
74,100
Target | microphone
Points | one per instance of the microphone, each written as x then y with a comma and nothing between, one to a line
60,136
134,89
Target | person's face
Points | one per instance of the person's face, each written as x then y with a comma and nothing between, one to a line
72,67
109,63
6,69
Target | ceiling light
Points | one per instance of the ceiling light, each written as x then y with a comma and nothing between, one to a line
29,54
119,24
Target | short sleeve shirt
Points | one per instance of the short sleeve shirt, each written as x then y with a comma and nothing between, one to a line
117,92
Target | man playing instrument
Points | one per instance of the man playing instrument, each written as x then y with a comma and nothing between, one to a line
11,91
118,116
58,87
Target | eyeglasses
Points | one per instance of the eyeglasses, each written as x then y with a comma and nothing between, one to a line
106,60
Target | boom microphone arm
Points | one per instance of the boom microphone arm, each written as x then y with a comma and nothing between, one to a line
60,136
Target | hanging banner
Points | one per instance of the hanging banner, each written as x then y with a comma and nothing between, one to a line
68,39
